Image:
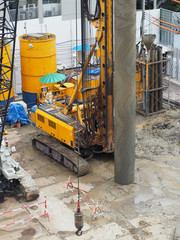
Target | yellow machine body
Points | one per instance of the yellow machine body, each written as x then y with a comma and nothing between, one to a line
96,93
54,127
38,58
95,115
5,61
139,88
61,91
57,91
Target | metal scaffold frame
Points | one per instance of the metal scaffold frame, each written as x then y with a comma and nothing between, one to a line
7,36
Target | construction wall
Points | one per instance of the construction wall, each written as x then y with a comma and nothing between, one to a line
148,26
176,59
65,31
174,69
177,41
70,13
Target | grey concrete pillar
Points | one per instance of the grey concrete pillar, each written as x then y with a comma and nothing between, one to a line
40,12
155,4
143,16
125,80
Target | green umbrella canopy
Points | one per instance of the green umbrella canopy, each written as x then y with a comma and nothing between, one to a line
52,78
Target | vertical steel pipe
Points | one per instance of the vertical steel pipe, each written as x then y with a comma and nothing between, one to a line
143,76
143,17
160,77
152,66
156,80
147,90
125,83
154,4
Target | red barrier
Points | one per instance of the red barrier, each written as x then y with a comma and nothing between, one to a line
24,220
96,209
21,208
27,219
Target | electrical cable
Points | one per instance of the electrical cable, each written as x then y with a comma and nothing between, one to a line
78,214
77,100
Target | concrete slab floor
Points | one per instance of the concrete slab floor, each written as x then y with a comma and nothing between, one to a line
147,209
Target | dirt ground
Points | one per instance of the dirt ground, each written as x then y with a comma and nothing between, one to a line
147,209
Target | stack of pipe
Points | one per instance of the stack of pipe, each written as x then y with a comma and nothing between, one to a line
155,83
149,66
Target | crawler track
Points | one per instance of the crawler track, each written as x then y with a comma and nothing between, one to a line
28,187
66,157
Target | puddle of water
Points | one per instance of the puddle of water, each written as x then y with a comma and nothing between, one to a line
142,198
28,234
157,191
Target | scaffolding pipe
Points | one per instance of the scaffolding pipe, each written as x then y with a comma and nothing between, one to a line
143,18
125,83
154,4
160,97
152,81
156,81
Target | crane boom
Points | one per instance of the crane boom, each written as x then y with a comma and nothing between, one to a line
7,35
13,178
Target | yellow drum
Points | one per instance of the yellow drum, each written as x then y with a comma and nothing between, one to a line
38,58
7,76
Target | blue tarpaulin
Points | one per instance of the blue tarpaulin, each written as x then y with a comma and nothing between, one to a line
93,71
86,47
16,112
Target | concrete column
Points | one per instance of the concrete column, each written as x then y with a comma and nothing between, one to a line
40,12
143,17
125,81
155,4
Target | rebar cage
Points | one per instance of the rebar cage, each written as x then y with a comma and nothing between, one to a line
150,70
